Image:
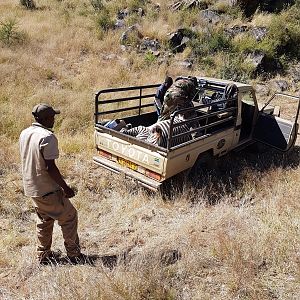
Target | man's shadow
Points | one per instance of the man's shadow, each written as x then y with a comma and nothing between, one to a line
108,261
227,174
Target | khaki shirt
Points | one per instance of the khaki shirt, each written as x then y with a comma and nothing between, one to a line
37,143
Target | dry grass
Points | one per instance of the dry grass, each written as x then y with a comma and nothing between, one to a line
235,232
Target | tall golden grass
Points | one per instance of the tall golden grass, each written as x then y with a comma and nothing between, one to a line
231,234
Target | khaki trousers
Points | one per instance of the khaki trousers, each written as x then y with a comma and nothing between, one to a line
56,207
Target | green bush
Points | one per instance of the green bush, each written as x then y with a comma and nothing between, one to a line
150,58
245,44
234,68
284,35
9,33
209,43
29,4
218,41
104,20
282,40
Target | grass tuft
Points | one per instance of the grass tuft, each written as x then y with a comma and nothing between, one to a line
10,33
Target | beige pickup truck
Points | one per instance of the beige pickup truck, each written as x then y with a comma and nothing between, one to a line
217,129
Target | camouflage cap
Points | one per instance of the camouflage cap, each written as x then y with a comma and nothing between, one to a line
43,110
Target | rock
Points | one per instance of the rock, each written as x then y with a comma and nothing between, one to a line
120,23
295,72
155,6
229,3
176,38
149,44
125,62
54,83
263,64
178,42
177,5
259,32
60,60
236,29
210,16
132,33
262,89
122,14
140,12
180,48
257,58
279,85
188,4
185,64
123,48
111,56
169,257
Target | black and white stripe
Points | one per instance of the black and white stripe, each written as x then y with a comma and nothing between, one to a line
165,129
158,133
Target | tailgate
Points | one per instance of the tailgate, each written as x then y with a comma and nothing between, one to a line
122,156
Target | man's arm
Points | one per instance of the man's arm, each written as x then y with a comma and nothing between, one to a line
56,176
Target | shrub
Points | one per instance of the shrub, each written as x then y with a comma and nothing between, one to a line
284,35
210,43
282,40
150,58
104,20
244,43
28,4
97,4
9,33
218,41
234,68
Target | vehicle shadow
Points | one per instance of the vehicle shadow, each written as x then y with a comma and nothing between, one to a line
228,173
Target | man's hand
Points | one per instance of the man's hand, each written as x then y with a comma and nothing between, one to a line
69,192
56,176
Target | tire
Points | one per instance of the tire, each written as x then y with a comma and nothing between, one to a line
174,185
204,163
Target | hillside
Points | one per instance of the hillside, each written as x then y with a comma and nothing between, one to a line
232,234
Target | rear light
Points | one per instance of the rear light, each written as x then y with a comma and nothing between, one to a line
105,154
153,175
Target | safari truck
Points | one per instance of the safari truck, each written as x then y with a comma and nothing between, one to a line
217,126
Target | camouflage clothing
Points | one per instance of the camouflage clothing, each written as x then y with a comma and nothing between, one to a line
179,96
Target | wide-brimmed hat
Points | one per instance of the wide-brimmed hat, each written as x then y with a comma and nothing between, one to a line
43,110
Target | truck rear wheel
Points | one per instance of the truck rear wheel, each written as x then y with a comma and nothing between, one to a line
174,185
204,163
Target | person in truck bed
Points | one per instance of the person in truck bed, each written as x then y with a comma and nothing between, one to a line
180,95
158,133
160,94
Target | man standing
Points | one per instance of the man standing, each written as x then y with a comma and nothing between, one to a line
160,94
44,183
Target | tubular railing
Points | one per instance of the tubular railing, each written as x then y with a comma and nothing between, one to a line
140,97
